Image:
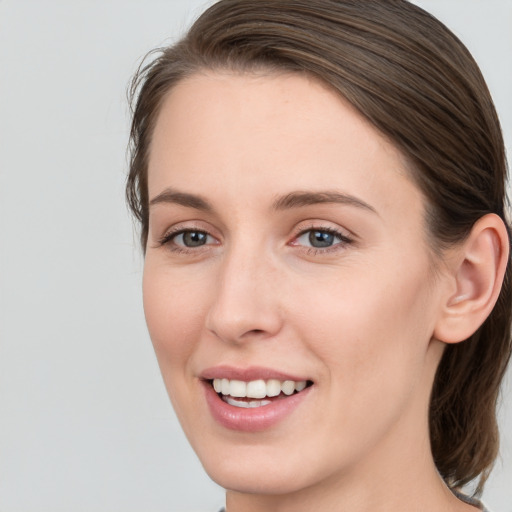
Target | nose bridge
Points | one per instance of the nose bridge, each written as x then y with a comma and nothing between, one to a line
246,300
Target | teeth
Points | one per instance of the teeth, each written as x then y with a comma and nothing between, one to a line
247,405
299,386
237,388
288,387
273,387
224,387
256,389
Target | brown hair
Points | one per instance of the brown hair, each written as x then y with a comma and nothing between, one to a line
417,83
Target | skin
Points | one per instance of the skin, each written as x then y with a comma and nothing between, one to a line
358,318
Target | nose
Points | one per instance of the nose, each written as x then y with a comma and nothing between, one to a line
245,305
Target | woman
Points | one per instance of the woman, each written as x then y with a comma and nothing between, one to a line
321,191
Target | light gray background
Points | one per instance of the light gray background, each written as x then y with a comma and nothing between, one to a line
85,423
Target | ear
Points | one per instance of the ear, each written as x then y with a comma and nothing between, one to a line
475,275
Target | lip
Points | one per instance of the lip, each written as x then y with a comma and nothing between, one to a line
250,419
247,374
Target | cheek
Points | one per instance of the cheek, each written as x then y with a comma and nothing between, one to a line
172,308
172,314
370,328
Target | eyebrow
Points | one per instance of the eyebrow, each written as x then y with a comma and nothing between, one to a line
172,196
300,199
296,199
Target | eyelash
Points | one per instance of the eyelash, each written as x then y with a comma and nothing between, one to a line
168,239
344,240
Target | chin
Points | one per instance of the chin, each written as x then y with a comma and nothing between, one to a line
244,476
271,467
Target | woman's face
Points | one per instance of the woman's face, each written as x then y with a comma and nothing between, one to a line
287,243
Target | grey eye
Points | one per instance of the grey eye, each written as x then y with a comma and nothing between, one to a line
191,238
321,239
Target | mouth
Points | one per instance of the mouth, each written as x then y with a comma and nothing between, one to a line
256,393
255,398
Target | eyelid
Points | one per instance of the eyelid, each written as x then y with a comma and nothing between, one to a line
184,227
319,225
345,236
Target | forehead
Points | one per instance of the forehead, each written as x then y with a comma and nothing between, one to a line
258,133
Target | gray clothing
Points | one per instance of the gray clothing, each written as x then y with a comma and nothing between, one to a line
463,497
470,501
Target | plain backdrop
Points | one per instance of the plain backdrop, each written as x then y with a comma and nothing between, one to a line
85,424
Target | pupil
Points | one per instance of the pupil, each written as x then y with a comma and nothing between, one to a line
194,238
321,239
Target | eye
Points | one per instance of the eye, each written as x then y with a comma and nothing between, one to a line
191,238
187,239
321,238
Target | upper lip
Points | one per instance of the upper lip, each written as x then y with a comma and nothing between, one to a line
247,374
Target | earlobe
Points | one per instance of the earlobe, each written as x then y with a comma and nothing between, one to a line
477,276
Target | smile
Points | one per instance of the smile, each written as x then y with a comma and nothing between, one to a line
256,393
253,400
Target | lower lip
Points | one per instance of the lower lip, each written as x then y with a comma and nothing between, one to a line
252,419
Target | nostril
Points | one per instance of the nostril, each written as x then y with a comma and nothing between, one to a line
253,334
242,320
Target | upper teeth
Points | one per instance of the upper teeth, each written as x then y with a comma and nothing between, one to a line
257,388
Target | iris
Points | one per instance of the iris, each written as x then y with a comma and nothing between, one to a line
321,239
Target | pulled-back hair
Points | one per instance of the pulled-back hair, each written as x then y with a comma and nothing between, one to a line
418,85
